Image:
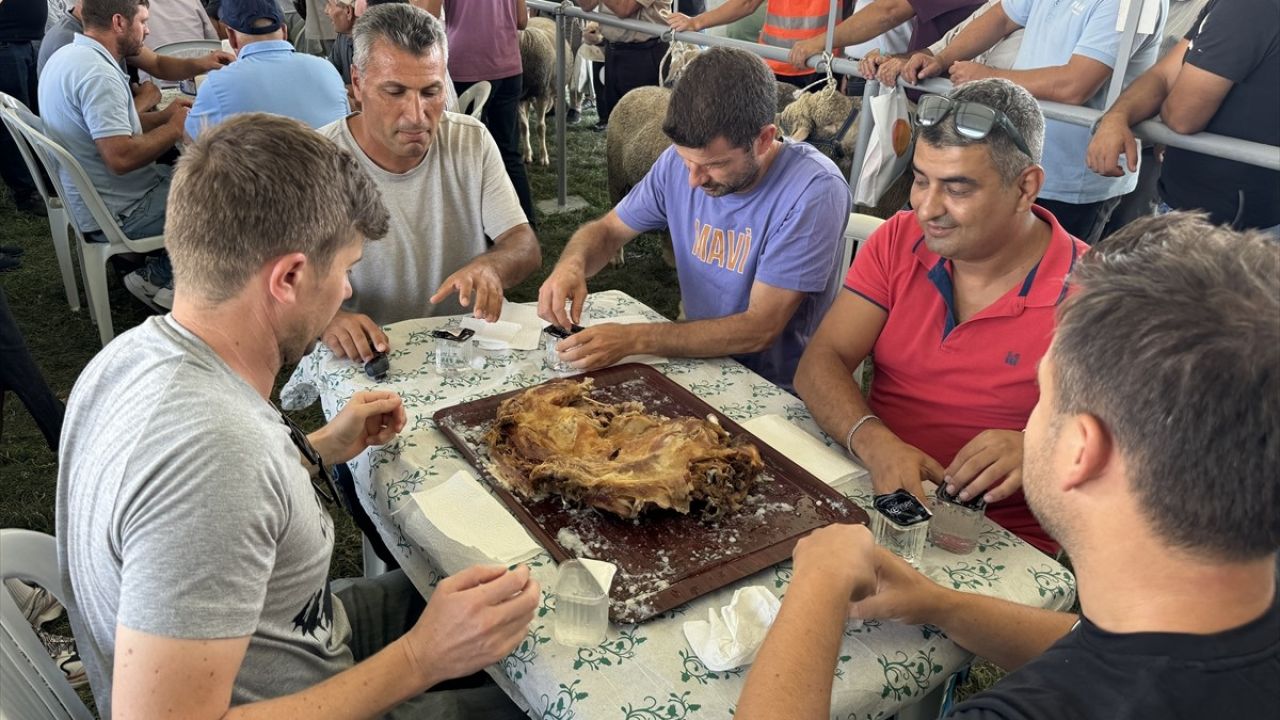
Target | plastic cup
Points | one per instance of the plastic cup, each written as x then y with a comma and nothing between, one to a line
582,607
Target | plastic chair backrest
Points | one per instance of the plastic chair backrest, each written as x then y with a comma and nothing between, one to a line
56,156
189,48
856,232
471,102
15,106
33,685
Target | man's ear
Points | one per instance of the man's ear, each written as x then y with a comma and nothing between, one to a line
1029,184
1088,449
285,276
766,138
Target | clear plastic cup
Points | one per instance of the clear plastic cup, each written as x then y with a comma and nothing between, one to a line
454,354
582,607
551,336
900,524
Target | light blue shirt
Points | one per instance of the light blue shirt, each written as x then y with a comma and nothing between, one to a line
1056,30
84,97
270,77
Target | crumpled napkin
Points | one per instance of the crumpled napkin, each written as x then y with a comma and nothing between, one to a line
733,634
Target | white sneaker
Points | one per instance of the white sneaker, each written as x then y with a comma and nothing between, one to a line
148,293
63,651
37,604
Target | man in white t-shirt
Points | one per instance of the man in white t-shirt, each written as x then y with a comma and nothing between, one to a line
456,223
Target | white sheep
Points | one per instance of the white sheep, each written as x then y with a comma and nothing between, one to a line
538,55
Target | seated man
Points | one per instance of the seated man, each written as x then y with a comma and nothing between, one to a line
192,529
757,223
1152,454
1066,56
1221,78
955,301
162,67
456,224
88,108
342,13
269,76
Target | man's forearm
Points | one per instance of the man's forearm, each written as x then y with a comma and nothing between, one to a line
827,387
729,335
730,11
515,255
870,22
1141,100
1006,633
792,676
165,67
591,247
146,148
981,35
1059,83
368,690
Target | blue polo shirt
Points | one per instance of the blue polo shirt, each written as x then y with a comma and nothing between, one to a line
1056,30
268,76
84,97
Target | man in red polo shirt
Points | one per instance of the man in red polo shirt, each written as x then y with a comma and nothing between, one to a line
956,302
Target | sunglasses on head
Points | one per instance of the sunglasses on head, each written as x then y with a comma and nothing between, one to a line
972,120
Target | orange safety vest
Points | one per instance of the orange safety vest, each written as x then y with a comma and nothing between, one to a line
789,21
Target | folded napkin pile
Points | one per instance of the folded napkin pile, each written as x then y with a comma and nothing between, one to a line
469,526
733,634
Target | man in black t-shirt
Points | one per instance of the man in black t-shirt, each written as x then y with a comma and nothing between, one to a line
1153,457
1223,78
21,27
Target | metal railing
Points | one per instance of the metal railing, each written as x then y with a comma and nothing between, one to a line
1229,148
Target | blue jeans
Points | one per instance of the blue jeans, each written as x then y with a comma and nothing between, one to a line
146,219
1162,208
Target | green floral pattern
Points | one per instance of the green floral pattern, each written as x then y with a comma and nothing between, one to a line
648,671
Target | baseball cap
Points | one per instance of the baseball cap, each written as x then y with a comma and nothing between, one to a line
241,16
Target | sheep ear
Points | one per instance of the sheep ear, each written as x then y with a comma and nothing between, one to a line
801,133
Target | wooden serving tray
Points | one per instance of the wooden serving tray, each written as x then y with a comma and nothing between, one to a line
664,559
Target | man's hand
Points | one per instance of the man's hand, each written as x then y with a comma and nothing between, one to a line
902,593
964,71
682,23
991,463
567,283
355,336
479,287
146,96
804,49
870,63
176,112
920,67
839,554
214,60
474,619
895,465
600,345
1112,137
369,418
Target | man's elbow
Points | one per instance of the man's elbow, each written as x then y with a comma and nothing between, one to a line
1180,122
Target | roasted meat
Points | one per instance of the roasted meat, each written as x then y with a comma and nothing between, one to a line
556,439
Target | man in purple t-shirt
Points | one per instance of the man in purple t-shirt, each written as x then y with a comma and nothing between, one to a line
757,223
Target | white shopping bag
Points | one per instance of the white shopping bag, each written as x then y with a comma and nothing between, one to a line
889,151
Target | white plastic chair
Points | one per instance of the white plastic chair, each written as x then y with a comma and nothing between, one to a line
858,230
471,102
93,255
33,685
189,48
58,220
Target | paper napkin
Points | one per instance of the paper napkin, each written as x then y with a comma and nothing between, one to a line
470,527
825,463
733,634
492,335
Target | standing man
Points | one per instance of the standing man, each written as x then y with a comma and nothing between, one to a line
270,76
192,529
88,108
757,222
1179,615
955,300
1223,78
930,19
1067,55
631,59
21,27
456,225
484,44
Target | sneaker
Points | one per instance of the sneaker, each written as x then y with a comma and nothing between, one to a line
9,262
31,204
154,296
13,250
37,604
600,127
63,651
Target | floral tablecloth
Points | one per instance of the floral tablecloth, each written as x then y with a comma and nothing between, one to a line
648,671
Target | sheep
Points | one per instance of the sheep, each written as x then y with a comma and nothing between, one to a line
538,55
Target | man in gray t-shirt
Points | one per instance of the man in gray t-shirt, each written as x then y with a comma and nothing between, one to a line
456,223
193,532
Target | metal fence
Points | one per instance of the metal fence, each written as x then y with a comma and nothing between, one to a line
1252,153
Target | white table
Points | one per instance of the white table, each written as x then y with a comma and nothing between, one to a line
647,671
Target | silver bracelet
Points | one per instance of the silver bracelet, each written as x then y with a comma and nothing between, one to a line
848,438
